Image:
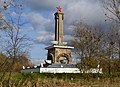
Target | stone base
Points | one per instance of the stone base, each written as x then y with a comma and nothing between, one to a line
59,54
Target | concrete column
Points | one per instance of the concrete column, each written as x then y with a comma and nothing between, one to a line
59,17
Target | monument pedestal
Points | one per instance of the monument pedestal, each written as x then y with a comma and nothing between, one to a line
59,54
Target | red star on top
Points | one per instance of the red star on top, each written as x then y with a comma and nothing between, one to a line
59,8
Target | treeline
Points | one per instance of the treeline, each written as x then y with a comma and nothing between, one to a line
13,65
97,48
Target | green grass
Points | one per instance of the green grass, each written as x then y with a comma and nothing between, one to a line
61,80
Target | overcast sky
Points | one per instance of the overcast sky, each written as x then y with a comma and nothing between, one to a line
40,14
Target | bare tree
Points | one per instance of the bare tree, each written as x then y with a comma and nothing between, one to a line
87,45
16,44
112,8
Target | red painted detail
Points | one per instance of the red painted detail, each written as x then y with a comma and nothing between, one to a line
59,8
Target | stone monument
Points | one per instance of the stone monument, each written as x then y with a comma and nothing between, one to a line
59,58
59,52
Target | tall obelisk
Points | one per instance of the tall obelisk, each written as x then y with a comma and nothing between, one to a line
59,52
59,17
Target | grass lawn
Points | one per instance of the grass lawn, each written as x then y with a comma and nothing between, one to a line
60,80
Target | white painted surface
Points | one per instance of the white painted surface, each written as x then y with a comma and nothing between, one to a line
23,67
56,46
92,70
48,61
62,70
54,42
59,70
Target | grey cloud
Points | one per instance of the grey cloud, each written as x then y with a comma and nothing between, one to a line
48,4
84,10
37,20
44,38
89,11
